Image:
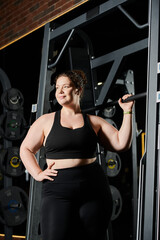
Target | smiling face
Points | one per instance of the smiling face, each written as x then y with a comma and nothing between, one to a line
66,93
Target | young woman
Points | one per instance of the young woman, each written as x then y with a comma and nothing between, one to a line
76,198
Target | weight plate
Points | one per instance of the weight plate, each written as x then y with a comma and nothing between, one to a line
14,166
12,99
10,162
12,125
113,163
13,206
117,202
109,112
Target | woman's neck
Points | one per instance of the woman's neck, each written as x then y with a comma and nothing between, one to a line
71,110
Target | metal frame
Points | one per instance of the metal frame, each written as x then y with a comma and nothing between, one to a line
147,205
32,228
86,18
129,83
117,57
149,225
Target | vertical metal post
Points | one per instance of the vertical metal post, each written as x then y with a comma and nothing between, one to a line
157,202
151,124
129,83
35,187
157,197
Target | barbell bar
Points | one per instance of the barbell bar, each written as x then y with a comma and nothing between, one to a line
112,103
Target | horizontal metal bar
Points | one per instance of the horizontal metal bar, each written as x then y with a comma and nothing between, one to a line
135,97
127,50
83,19
110,104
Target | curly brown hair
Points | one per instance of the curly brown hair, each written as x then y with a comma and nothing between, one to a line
78,78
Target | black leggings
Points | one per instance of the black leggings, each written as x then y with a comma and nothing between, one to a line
76,205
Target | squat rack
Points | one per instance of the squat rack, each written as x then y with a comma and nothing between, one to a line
148,228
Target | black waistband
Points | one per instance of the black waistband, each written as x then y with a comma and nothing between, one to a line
76,174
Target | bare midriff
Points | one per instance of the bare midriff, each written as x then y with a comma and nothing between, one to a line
68,163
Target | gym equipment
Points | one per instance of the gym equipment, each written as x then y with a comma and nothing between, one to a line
13,201
112,103
117,202
12,99
113,163
10,162
12,125
13,206
109,112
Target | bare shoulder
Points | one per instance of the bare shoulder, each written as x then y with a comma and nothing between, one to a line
45,118
43,123
95,120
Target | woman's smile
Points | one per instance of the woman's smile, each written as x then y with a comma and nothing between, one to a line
61,96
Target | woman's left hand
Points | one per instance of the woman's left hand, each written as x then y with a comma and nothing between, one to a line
126,106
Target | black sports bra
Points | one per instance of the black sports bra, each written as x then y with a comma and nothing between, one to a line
65,143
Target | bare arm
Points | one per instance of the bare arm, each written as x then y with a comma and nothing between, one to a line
29,147
113,139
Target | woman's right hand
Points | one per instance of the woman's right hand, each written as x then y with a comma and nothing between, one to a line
47,173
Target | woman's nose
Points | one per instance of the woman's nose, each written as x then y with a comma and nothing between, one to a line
61,90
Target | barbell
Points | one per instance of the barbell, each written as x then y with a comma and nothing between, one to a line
113,103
